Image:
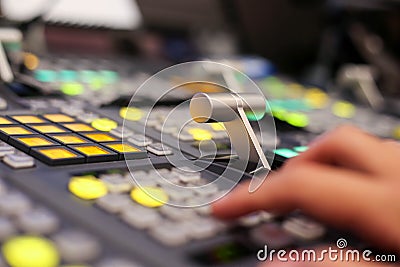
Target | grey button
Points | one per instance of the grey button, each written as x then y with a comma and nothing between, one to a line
206,190
116,262
38,221
6,149
7,228
202,228
3,103
117,184
114,202
140,140
140,217
170,234
77,246
177,214
19,160
271,234
14,203
251,220
72,111
179,194
87,117
159,149
121,132
303,228
203,210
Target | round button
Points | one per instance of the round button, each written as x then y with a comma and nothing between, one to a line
87,187
131,114
151,197
104,124
23,251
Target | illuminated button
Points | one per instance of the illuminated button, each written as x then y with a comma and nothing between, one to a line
72,89
25,143
300,149
217,126
200,134
109,77
297,119
6,131
131,114
396,133
5,121
87,187
78,127
45,76
32,251
69,139
100,137
126,151
57,155
87,76
47,128
58,118
151,197
95,153
316,98
104,124
28,119
67,75
31,61
286,152
343,109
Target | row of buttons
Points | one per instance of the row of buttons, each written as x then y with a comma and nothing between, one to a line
32,235
58,139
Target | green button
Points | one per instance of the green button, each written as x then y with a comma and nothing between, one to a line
286,153
300,149
87,76
109,77
68,75
72,88
45,76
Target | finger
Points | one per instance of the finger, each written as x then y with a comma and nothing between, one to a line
325,193
352,148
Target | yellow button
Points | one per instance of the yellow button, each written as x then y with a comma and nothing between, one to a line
343,109
69,139
78,127
316,98
57,153
91,150
217,126
58,118
396,133
31,61
87,187
28,119
123,148
104,124
35,141
15,130
200,134
150,197
131,114
48,128
5,121
30,251
101,137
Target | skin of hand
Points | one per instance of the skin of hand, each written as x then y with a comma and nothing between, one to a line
347,179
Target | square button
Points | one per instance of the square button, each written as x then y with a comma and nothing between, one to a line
25,143
69,139
47,128
57,155
78,127
100,137
95,152
28,119
126,151
58,118
6,121
6,131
